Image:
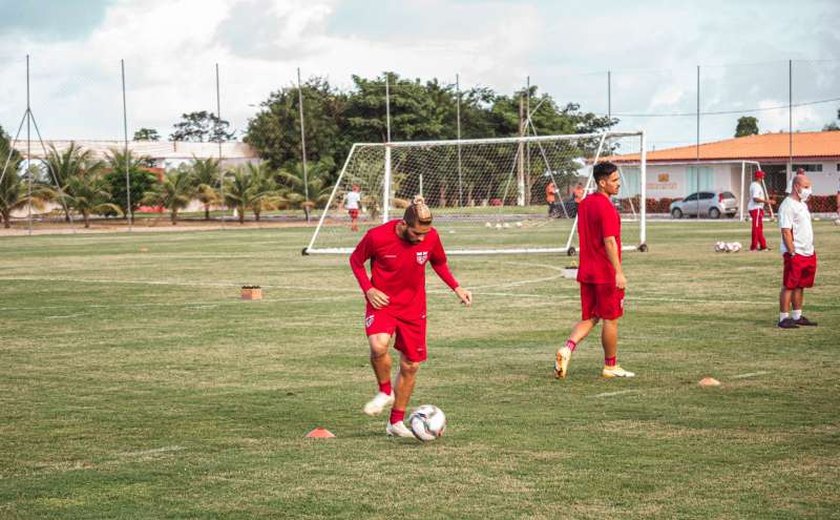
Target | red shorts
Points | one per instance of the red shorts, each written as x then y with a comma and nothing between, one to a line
411,334
799,271
601,300
354,213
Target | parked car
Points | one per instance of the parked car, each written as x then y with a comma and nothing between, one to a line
711,204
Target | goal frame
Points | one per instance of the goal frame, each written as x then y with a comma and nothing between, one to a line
386,188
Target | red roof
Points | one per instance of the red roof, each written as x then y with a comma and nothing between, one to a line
763,147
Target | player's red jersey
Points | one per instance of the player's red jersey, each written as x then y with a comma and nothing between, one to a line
398,267
597,219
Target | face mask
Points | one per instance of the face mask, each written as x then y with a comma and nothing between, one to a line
804,193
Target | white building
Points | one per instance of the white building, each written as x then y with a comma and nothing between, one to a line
677,172
165,154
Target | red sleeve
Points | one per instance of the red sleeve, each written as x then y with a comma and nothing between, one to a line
610,221
361,254
437,257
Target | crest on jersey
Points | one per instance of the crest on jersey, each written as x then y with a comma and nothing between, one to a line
422,256
368,320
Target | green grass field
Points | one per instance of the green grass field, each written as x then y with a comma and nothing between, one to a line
135,384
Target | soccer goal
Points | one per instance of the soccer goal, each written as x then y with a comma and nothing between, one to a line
488,196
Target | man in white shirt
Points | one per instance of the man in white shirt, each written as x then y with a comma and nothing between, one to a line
756,208
799,171
800,258
352,202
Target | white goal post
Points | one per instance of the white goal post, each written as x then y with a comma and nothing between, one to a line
488,196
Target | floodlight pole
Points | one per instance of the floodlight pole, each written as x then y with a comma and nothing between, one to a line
303,145
125,151
221,170
458,130
697,144
790,122
28,150
386,185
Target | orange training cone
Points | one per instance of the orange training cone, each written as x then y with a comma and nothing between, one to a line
709,381
320,433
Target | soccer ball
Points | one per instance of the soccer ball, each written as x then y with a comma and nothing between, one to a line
733,247
427,422
720,247
837,222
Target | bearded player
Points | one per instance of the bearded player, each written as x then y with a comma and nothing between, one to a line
600,275
396,303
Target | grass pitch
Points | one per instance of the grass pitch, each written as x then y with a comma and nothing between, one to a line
135,384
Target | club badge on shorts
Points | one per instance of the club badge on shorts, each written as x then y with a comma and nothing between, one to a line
422,256
368,320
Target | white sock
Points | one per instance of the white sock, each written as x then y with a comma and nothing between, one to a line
796,314
783,316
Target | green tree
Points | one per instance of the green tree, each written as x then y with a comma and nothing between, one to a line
200,127
88,194
66,165
140,178
319,177
206,180
239,191
146,134
266,195
174,192
16,192
275,131
747,125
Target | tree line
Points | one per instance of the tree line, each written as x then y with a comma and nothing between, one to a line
79,183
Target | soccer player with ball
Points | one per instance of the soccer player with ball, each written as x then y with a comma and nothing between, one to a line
600,275
396,302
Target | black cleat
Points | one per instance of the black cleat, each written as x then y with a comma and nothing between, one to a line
788,323
805,322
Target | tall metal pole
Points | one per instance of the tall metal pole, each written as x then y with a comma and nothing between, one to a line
386,186
609,95
28,150
790,121
697,143
388,106
527,194
303,143
458,126
221,170
125,151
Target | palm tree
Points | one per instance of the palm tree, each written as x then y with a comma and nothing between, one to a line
15,192
89,194
72,162
240,191
174,193
265,192
206,179
318,187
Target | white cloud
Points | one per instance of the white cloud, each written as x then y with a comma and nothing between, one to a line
171,46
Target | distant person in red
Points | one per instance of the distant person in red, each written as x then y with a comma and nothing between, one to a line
756,208
352,202
600,275
396,302
550,196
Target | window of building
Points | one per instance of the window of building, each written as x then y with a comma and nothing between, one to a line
809,168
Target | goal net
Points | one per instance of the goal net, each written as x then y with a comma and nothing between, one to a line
488,196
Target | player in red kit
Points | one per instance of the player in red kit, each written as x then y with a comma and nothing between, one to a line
396,302
600,275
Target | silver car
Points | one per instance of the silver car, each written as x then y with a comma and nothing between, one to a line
710,204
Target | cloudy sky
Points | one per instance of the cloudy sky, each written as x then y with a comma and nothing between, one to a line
652,49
